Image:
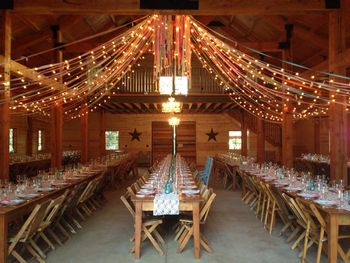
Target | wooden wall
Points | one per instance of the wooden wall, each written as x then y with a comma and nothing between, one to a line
126,123
20,125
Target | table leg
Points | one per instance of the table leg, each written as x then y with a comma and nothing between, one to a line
196,231
138,226
332,238
3,238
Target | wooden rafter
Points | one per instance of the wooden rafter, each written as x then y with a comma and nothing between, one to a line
206,7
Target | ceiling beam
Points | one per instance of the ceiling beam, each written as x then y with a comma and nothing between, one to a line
342,61
206,7
23,71
279,23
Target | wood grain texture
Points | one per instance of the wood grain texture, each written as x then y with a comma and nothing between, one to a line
5,50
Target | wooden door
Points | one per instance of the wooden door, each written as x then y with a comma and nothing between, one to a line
161,140
185,140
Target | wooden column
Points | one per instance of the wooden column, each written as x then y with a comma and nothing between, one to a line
337,112
84,132
317,136
5,50
287,125
102,133
56,127
29,143
244,130
260,139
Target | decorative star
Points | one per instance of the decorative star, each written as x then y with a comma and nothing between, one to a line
135,135
212,135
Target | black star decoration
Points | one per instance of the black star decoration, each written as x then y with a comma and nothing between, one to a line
212,135
135,135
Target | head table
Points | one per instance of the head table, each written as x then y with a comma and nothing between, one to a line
159,179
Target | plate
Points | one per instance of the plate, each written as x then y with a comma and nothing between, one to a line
145,192
326,202
11,202
27,196
309,195
190,192
293,189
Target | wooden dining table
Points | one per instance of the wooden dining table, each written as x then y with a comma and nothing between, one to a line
334,218
186,203
10,213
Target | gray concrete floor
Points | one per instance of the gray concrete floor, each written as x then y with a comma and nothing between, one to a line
233,230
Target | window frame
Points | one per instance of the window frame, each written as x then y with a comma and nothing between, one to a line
41,140
14,140
106,141
238,137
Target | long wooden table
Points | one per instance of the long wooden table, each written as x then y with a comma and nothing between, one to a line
334,218
9,213
187,203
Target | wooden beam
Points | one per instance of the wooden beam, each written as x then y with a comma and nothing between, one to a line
287,126
279,23
102,132
56,125
337,112
317,136
260,140
23,71
84,133
5,50
206,7
244,131
30,132
65,22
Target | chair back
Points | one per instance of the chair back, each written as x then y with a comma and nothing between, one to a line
53,210
206,207
128,204
205,174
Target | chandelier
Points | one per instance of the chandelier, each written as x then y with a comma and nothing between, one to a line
174,121
171,106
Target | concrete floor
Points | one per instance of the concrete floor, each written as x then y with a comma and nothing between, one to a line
234,232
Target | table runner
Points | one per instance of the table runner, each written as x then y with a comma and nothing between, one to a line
166,204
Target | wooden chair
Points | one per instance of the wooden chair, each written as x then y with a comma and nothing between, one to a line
187,226
149,226
316,231
206,172
27,231
50,215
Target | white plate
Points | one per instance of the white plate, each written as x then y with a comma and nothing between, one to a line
326,202
27,196
293,189
12,202
190,192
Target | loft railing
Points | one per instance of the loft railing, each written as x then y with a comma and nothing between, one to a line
141,81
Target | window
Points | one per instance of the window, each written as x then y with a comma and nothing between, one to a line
112,140
235,140
11,141
40,140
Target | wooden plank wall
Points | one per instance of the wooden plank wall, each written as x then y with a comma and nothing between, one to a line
20,124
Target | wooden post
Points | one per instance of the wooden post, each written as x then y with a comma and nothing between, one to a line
5,50
337,112
56,127
29,143
260,139
244,149
102,133
84,131
317,136
287,125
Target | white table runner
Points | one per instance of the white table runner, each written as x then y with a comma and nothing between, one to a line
166,204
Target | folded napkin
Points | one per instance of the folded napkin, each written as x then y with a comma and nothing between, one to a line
166,204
